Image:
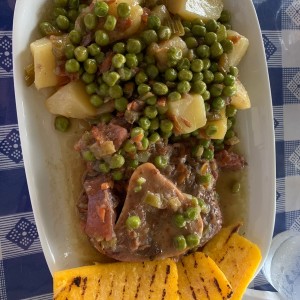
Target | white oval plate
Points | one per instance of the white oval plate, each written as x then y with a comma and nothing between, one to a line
49,179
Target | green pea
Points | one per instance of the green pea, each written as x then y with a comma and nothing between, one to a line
137,131
211,130
143,89
179,220
170,74
154,138
140,57
236,187
94,49
197,76
150,112
206,63
229,91
179,242
164,33
192,240
154,124
90,21
133,222
72,65
145,143
69,51
149,36
62,22
129,147
216,90
205,143
229,80
186,23
131,60
123,10
203,51
101,38
191,42
118,60
225,16
152,71
116,161
73,15
229,134
103,89
234,71
88,155
208,76
153,22
174,54
183,87
73,4
61,123
230,111
210,38
119,47
166,125
144,123
121,104
61,3
117,175
199,30
206,95
227,45
110,23
174,96
59,11
212,25
216,50
208,154
47,29
199,87
87,78
149,59
198,21
218,77
81,53
111,78
90,66
197,151
183,63
75,37
96,100
218,103
160,161
133,46
133,163
192,213
197,65
141,77
185,75
91,88
115,91
151,100
160,88
125,74
101,8
221,33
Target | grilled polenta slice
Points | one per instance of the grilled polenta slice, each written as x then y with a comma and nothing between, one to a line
146,280
200,278
236,256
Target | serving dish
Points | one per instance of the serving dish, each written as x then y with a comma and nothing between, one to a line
53,169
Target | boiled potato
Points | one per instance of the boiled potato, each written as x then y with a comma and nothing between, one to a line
44,63
188,113
240,46
191,9
71,101
221,126
241,99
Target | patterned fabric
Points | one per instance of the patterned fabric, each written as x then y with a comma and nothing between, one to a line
23,271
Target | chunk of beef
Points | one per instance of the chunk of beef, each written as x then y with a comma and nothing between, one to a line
230,160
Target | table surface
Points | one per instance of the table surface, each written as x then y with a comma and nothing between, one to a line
23,270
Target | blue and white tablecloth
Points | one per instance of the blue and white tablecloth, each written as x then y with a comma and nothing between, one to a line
23,270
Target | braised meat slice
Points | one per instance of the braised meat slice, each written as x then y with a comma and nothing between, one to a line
155,201
230,160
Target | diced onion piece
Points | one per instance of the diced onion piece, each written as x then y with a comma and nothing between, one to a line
188,113
191,9
44,63
221,126
240,46
241,99
71,101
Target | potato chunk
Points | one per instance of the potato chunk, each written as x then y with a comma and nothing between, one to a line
236,256
188,113
241,99
221,125
71,101
240,46
148,280
191,9
200,278
44,63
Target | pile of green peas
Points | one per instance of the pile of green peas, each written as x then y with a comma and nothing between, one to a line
199,72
